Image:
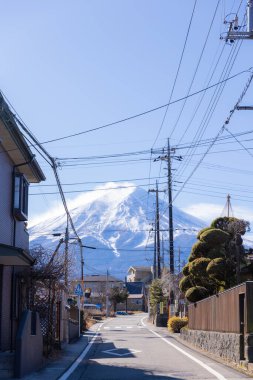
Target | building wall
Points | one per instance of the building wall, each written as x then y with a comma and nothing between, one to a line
5,289
138,275
10,290
6,218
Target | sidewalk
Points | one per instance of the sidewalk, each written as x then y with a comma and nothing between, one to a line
65,357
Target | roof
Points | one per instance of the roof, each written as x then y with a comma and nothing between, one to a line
15,145
135,287
142,269
99,278
10,255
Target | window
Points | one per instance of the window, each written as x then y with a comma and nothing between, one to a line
20,197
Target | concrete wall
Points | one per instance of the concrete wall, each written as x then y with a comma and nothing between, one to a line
73,330
29,346
222,345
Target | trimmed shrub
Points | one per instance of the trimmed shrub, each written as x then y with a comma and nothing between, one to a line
185,283
203,230
176,323
191,258
199,249
196,293
222,222
217,268
186,270
216,252
198,267
214,237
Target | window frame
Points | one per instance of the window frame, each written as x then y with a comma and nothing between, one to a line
20,197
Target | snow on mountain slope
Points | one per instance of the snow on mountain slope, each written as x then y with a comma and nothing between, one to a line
117,222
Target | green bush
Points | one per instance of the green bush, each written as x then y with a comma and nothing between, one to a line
199,249
198,267
185,283
214,237
203,230
222,222
217,268
216,252
176,323
186,270
196,293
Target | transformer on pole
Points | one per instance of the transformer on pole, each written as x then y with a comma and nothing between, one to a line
234,32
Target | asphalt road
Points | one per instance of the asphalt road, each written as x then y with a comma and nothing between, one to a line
125,349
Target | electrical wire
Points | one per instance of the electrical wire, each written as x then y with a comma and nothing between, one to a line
177,73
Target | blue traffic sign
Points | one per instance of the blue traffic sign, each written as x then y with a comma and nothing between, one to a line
79,290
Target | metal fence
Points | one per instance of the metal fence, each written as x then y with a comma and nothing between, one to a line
228,311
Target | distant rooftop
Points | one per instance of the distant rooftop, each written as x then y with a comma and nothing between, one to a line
99,278
141,268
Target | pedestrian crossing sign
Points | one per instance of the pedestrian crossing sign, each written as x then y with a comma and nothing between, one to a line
79,290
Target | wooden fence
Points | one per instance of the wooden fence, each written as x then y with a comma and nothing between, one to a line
230,311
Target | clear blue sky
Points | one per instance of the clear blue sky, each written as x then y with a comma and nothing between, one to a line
68,66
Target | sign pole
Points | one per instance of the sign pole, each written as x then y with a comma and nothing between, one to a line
79,314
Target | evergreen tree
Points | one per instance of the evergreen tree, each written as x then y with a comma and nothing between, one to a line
217,260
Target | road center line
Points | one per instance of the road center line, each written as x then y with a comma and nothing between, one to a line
205,366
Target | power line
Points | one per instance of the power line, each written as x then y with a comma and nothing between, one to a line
130,117
217,136
99,182
178,69
99,189
196,69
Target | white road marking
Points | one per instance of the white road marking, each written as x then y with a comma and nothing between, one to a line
80,357
113,352
129,327
209,369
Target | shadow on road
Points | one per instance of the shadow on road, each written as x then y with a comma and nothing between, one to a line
92,370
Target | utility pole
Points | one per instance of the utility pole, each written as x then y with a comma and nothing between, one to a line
107,295
228,211
157,250
154,260
162,252
235,31
66,255
158,234
171,237
168,157
179,260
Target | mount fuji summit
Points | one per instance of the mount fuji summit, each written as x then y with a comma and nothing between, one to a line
117,221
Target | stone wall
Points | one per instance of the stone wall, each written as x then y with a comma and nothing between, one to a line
223,345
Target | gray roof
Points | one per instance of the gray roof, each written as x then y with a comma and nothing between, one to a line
16,146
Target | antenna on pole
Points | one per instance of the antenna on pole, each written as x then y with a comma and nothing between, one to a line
228,211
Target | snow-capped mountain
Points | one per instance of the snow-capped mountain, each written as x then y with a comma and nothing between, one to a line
116,220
